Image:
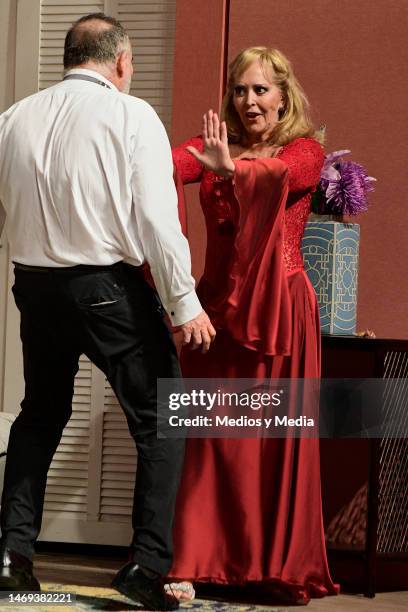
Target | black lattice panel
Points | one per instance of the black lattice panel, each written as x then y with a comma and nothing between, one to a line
392,533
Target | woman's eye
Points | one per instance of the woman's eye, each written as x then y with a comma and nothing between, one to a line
238,90
260,90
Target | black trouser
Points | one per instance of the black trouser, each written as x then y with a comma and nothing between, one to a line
111,315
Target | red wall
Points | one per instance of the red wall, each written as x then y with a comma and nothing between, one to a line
351,57
197,87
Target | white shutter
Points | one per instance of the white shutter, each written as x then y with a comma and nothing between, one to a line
91,479
119,460
67,490
151,26
57,16
67,484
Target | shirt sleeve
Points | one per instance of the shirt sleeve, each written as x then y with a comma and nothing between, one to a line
188,167
304,158
164,246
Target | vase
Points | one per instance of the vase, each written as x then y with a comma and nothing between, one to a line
330,254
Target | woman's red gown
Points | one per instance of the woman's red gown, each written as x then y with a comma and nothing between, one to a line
250,509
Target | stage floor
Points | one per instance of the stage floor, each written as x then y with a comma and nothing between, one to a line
90,576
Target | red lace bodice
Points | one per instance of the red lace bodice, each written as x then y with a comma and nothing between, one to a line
304,159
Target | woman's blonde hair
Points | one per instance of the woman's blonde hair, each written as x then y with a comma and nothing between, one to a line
294,119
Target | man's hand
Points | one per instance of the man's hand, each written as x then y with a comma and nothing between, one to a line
198,332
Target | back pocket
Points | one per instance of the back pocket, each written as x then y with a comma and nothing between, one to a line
99,291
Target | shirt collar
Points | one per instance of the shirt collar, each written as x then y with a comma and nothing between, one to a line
92,73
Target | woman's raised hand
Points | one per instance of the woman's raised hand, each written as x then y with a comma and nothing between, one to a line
216,156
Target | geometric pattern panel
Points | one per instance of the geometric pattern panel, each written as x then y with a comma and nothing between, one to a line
330,255
392,531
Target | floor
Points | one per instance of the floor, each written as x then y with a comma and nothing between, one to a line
90,577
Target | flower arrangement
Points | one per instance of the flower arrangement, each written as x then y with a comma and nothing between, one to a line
343,187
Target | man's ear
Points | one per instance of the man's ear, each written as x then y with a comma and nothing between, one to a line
120,63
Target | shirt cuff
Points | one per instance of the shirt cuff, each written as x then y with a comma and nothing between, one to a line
186,308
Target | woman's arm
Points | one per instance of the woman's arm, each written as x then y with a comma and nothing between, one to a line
304,159
189,169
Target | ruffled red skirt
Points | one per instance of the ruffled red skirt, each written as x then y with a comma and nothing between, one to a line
249,510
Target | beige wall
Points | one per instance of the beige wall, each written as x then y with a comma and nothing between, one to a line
8,10
19,50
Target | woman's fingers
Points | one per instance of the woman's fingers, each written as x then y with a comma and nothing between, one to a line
195,152
212,129
216,126
205,127
210,125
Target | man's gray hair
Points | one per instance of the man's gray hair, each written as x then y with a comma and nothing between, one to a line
86,40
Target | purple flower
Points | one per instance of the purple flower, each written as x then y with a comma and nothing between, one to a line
329,171
344,185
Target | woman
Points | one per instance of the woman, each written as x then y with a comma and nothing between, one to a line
249,510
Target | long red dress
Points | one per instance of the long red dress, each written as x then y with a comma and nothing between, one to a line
250,509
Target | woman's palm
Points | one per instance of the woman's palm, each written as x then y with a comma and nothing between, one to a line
216,155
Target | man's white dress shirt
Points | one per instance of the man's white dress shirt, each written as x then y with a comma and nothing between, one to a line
86,177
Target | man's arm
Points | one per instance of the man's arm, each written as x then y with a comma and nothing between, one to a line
164,246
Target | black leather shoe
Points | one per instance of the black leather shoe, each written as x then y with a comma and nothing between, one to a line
16,572
133,582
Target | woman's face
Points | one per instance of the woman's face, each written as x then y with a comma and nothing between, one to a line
257,101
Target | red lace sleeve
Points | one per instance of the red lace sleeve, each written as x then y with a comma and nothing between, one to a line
304,158
188,167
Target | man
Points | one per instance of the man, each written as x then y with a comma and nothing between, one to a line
86,184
